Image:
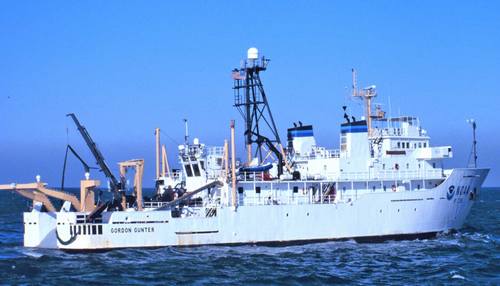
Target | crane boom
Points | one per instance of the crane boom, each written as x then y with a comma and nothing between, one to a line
263,139
114,183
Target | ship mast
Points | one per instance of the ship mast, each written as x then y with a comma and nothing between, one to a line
472,122
251,101
366,94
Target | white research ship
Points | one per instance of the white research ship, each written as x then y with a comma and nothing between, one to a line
385,182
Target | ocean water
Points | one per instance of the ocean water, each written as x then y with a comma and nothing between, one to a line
468,257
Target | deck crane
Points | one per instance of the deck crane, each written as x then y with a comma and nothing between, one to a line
86,167
115,185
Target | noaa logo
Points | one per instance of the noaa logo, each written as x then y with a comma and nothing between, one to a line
450,193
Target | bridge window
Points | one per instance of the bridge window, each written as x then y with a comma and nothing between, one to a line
399,145
240,190
257,189
196,170
94,229
407,145
189,171
425,144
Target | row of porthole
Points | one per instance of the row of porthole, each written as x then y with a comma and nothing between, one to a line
306,214
415,209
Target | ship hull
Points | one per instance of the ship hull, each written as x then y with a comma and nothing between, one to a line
371,217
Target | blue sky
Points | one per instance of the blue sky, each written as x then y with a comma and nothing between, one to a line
126,67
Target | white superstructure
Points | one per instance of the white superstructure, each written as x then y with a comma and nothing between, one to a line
400,200
386,181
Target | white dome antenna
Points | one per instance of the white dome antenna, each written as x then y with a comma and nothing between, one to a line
253,53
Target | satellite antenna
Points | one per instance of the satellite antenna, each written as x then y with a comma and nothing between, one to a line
253,54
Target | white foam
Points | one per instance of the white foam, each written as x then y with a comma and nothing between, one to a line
32,253
456,276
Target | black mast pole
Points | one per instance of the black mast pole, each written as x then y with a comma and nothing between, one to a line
474,142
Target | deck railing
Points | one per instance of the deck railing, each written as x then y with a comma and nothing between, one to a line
357,176
388,175
320,153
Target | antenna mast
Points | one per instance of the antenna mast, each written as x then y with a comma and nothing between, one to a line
354,83
186,133
251,101
366,94
472,122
